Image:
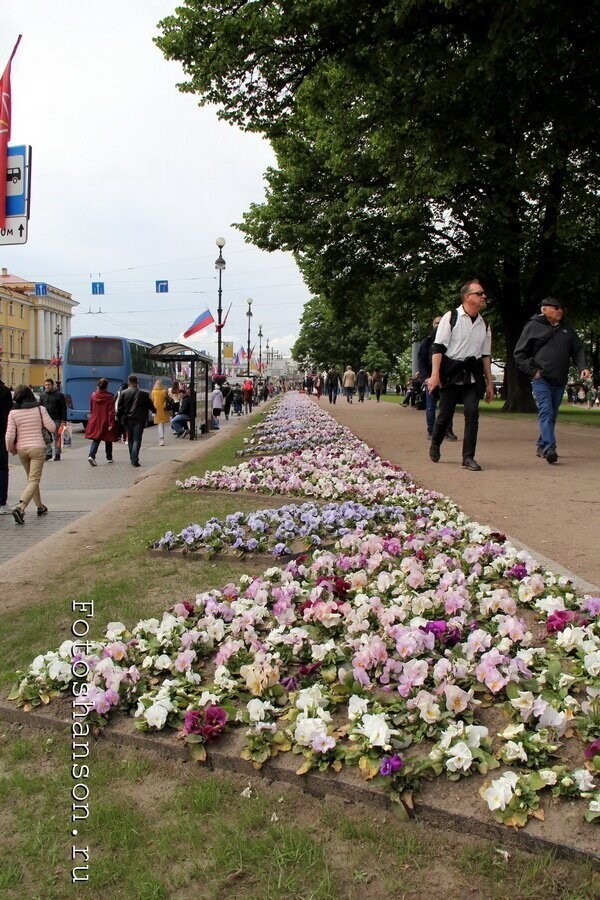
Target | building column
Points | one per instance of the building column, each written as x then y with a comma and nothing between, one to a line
41,334
48,340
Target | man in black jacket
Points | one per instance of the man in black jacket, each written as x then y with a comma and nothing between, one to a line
56,407
424,361
5,408
544,352
133,410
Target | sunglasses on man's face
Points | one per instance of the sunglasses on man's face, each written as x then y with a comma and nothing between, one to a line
477,293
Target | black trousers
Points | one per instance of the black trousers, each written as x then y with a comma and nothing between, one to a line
449,397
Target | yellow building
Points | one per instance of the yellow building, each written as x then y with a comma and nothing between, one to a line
32,329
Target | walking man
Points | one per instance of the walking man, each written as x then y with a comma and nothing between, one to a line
362,381
461,368
424,360
332,383
133,410
56,407
543,352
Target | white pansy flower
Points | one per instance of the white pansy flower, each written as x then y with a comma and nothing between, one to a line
511,731
357,706
513,751
457,700
475,734
501,790
584,781
162,662
310,698
376,729
309,729
461,758
548,776
591,661
156,715
114,630
257,709
320,651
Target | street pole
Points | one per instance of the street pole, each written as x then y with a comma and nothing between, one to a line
260,349
58,335
249,314
219,266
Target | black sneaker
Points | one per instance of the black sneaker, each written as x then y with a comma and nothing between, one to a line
471,464
18,515
434,452
42,510
551,455
540,452
450,436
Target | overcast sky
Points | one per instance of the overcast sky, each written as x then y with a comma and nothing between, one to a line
132,181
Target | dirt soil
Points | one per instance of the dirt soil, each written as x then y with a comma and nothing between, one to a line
553,509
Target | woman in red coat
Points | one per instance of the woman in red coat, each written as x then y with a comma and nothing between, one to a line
101,424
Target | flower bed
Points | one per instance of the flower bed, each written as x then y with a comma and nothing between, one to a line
396,653
287,529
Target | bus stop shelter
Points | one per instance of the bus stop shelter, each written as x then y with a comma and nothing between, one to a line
199,365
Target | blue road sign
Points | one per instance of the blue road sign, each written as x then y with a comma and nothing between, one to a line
18,180
97,287
162,287
41,289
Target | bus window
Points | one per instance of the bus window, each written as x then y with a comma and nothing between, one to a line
96,352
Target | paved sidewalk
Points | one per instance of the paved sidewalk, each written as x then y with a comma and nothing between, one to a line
71,488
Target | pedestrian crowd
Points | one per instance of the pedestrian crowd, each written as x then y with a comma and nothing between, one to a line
454,367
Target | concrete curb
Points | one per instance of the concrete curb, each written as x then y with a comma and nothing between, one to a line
347,785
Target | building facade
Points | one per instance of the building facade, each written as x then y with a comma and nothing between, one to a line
33,330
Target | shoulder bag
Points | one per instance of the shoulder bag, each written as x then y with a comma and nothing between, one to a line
46,434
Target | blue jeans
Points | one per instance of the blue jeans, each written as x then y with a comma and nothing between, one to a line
135,431
107,446
548,398
179,423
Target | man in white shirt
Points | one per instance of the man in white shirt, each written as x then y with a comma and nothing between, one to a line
461,368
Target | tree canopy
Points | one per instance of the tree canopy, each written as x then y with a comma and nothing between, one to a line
419,143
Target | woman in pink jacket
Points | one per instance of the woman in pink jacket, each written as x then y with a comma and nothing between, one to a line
24,436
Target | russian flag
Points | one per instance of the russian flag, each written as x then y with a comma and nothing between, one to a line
199,323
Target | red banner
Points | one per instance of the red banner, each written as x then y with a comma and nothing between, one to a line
5,109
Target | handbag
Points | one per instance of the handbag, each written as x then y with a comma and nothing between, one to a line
46,434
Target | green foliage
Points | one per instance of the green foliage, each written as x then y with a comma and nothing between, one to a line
418,144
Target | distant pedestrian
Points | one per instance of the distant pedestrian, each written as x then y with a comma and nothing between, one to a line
319,382
217,405
120,423
349,383
377,384
56,406
362,382
248,394
101,425
133,410
5,407
24,436
461,368
237,399
160,397
332,384
227,392
543,352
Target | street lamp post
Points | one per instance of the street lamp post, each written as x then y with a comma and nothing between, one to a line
267,363
260,349
58,335
249,314
219,266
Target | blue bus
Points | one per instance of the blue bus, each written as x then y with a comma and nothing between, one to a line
89,358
